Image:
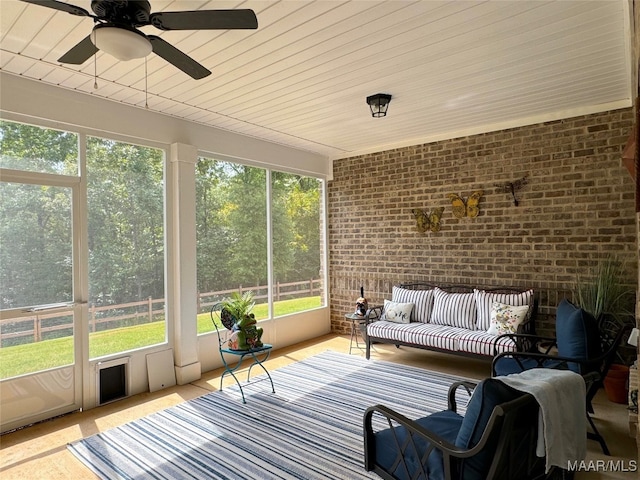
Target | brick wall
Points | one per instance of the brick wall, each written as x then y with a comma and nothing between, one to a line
577,206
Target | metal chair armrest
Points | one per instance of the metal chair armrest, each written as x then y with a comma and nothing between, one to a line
468,386
525,342
540,358
373,314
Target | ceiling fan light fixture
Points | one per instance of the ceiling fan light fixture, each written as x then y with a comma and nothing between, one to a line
379,103
120,42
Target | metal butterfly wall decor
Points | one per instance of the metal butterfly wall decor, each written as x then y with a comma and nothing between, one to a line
512,187
428,221
468,208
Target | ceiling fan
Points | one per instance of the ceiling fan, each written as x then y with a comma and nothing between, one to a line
116,30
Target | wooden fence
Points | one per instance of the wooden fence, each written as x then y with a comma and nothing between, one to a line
145,311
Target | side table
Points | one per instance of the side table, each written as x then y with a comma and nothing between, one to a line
358,321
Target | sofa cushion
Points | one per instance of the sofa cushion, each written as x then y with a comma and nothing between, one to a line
397,312
421,299
484,301
445,424
416,333
577,334
506,318
487,395
454,309
484,343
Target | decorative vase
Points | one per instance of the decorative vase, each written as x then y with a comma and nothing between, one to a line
616,383
362,305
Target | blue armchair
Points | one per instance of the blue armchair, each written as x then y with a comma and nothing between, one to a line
495,439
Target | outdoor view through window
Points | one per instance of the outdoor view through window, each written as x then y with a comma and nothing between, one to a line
38,238
60,241
232,226
125,197
36,255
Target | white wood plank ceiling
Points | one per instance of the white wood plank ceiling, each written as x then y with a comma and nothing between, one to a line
301,79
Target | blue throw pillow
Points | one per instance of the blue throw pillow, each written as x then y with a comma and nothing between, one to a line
577,334
488,394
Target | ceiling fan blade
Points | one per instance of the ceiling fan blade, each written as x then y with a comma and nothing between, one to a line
205,20
80,53
177,58
65,7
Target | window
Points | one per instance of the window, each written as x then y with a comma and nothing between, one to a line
36,149
125,200
232,238
36,248
126,246
297,227
35,235
231,235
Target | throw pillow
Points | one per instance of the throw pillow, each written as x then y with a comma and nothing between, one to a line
397,312
506,318
577,334
454,309
484,301
421,299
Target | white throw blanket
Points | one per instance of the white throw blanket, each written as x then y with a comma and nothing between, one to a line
563,427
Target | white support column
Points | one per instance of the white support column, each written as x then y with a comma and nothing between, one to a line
181,258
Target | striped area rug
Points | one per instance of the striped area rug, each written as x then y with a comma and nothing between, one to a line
311,428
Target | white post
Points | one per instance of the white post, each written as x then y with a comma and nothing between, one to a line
181,258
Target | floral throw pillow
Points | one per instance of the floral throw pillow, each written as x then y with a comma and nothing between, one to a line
397,312
485,299
506,318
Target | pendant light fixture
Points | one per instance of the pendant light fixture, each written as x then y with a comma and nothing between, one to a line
379,103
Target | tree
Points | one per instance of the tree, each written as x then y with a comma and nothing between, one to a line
245,213
35,234
232,226
303,207
35,220
126,217
36,149
213,236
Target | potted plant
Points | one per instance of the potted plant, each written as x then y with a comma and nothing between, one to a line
603,291
239,305
236,316
603,294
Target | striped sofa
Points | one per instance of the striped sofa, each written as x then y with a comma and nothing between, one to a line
450,318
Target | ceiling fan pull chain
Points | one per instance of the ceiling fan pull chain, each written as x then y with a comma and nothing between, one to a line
146,91
95,70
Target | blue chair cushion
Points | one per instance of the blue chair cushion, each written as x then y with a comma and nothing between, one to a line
577,334
488,394
508,365
445,424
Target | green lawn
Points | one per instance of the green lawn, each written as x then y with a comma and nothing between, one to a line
283,307
32,357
